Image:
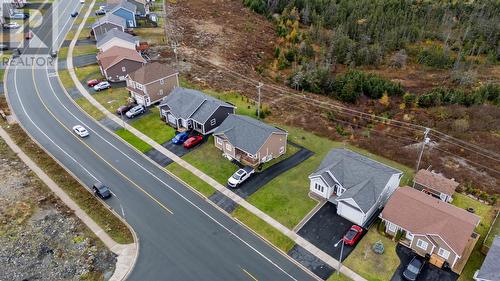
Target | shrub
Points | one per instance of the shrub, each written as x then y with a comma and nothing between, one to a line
399,235
435,56
409,99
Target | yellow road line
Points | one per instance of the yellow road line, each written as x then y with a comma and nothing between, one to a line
249,274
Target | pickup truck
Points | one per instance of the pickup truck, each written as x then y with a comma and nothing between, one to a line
240,176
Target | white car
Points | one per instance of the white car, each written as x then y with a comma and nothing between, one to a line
240,176
134,111
11,25
82,1
81,131
102,86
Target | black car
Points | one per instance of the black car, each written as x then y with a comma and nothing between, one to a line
100,12
101,190
413,269
74,14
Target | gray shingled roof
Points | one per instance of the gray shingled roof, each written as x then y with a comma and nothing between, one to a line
125,4
187,103
364,179
115,33
114,19
490,270
246,133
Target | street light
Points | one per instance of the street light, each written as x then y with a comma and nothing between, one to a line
341,252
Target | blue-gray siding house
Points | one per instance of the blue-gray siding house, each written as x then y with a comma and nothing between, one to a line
125,10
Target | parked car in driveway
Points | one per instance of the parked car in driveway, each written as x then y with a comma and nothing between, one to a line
193,141
135,111
93,82
11,25
102,86
124,108
100,12
101,190
180,138
81,131
240,176
352,235
413,268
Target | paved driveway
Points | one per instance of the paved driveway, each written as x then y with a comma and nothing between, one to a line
429,273
325,228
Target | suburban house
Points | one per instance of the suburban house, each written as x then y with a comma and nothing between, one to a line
431,227
125,10
18,3
108,22
490,270
435,184
187,109
152,82
117,62
358,185
115,37
249,141
142,6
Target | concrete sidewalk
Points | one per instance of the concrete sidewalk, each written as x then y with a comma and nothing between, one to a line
126,254
219,187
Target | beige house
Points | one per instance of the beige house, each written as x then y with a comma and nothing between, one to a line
152,82
249,141
435,184
431,227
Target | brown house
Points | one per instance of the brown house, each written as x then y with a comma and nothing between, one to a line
117,62
431,227
435,184
249,141
152,82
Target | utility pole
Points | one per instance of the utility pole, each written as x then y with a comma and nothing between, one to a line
426,141
258,100
341,253
174,45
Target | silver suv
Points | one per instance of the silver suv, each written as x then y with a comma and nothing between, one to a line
134,111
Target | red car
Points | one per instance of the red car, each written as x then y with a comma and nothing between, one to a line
352,236
93,82
192,141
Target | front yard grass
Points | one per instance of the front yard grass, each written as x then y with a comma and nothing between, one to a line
370,265
155,128
90,108
338,277
192,180
277,238
88,72
133,140
86,49
111,98
487,214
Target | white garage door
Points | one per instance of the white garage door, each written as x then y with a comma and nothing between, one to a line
171,119
350,213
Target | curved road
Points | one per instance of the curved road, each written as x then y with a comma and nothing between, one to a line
182,236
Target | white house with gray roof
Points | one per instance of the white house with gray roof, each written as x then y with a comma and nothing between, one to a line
358,185
187,109
249,141
106,23
490,270
115,37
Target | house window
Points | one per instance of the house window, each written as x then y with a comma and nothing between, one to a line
282,149
124,69
212,122
130,23
443,253
162,81
319,187
219,141
228,147
422,244
391,227
409,235
139,86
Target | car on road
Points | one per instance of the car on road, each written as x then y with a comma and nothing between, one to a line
53,53
93,82
19,16
101,190
102,86
124,108
352,235
81,131
100,12
82,1
180,138
193,141
240,176
135,111
74,14
413,269
11,25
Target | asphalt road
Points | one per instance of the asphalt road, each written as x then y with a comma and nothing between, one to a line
181,235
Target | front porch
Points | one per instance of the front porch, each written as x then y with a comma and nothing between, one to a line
244,159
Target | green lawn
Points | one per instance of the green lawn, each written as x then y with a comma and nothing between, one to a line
285,198
370,265
112,98
89,108
133,140
209,160
153,35
495,230
152,126
63,53
66,79
88,72
192,180
270,233
81,50
336,277
486,213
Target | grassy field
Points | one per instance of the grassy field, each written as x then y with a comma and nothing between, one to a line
192,180
152,126
153,35
89,108
370,265
81,50
495,230
98,212
112,98
133,140
270,233
486,213
66,79
285,198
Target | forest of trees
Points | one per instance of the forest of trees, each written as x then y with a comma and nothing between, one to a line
317,34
